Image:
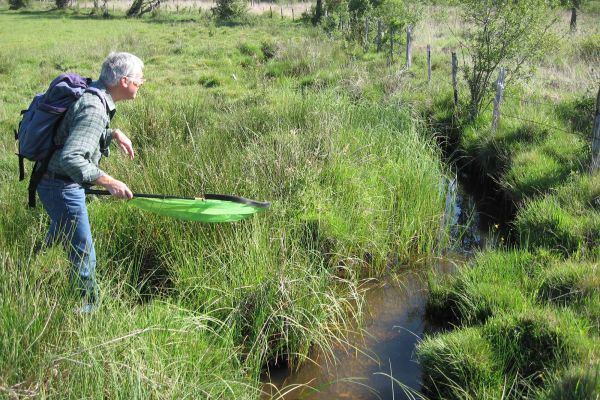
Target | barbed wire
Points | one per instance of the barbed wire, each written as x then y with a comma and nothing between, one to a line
527,100
504,114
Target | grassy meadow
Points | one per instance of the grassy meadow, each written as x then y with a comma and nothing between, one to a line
268,109
521,320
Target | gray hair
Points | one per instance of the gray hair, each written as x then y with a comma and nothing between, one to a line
117,65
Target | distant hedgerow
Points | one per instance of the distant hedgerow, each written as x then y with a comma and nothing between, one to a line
16,4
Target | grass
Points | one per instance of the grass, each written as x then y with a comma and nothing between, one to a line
526,312
265,109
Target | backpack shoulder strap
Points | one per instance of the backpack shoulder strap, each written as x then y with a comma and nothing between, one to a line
100,94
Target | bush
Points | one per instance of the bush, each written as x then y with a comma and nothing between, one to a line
17,4
501,33
230,9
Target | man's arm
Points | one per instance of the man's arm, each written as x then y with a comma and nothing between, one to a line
114,186
87,127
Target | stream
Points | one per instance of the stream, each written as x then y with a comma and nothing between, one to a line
394,322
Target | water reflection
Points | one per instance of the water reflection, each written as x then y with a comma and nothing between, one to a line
394,324
385,367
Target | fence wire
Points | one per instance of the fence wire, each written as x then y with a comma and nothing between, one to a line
504,114
529,101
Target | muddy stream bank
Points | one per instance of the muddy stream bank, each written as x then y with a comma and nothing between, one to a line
394,322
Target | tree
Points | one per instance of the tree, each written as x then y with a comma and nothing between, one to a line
574,6
141,7
318,12
505,33
397,13
62,4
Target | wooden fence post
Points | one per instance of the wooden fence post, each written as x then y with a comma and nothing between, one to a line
596,136
366,38
293,18
428,63
379,35
455,77
271,11
281,7
409,46
498,99
391,45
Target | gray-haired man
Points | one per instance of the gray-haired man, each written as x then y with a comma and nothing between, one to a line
83,137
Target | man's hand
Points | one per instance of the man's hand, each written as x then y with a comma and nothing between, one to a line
115,187
123,142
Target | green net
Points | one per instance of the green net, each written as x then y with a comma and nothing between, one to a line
202,210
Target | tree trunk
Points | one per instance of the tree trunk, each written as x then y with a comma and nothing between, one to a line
318,12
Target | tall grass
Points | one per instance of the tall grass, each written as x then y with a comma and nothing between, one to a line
263,111
521,321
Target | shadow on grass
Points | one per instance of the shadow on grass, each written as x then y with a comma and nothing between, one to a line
55,13
578,113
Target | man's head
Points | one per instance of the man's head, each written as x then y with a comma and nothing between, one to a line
122,74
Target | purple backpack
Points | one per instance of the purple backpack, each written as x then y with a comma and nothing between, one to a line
40,122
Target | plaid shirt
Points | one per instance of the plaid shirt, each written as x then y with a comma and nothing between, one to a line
84,136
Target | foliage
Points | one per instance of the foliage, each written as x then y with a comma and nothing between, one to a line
318,14
360,8
398,13
17,4
230,9
62,4
502,33
269,111
141,7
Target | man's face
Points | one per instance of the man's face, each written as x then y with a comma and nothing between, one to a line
132,83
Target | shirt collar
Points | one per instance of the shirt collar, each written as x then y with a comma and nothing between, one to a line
110,103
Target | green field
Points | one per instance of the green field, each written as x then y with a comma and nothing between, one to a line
268,109
345,147
521,319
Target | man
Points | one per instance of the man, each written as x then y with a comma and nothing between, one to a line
83,137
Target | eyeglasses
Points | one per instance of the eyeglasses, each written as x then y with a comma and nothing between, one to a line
136,81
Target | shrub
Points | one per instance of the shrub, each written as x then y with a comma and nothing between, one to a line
501,33
268,49
17,4
397,13
230,9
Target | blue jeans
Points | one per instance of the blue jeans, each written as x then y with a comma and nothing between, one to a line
69,224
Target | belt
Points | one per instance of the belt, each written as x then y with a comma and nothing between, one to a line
52,175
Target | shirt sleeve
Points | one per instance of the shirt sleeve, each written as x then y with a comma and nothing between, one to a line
88,126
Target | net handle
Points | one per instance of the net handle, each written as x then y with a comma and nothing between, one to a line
207,196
